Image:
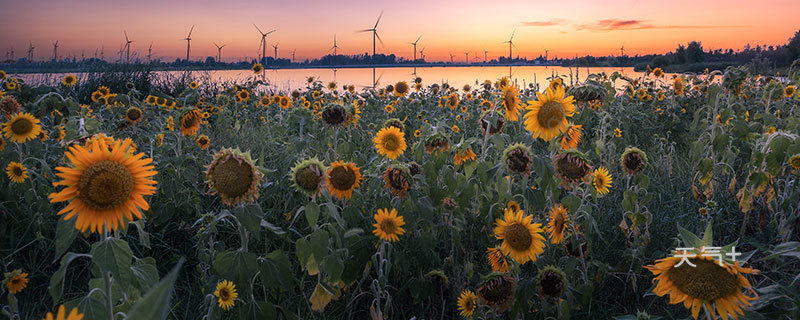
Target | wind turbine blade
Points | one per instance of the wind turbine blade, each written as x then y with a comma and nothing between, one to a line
365,30
512,35
420,37
126,35
259,30
379,20
190,32
379,39
273,30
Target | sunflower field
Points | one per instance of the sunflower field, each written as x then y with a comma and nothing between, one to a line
658,197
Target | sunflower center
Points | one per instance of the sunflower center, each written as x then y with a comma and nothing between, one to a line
633,162
388,226
134,114
17,171
795,162
571,167
21,126
308,179
509,98
550,284
551,114
518,161
558,222
397,179
390,142
518,237
224,295
342,178
707,280
105,185
232,177
498,291
334,115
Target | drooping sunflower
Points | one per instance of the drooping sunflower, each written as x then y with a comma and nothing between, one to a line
203,141
497,260
492,121
398,179
343,178
16,172
233,176
390,142
522,240
400,89
105,185
679,85
571,167
193,84
62,314
9,106
15,281
658,73
497,291
159,139
388,225
308,176
510,101
335,114
633,160
571,137
462,155
556,83
226,294
190,122
704,283
133,115
452,101
69,80
467,302
517,159
551,282
557,223
601,180
2,74
21,127
438,142
547,116
257,68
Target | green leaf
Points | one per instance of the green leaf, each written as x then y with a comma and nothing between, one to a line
312,214
319,244
689,238
237,266
470,167
57,280
92,306
333,267
145,273
250,217
144,237
571,202
114,255
65,234
708,236
155,303
720,142
642,180
276,271
258,310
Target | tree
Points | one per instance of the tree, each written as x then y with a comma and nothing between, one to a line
680,54
793,47
694,52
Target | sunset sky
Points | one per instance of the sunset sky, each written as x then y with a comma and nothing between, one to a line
565,28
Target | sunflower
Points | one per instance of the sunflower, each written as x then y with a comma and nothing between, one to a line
151,100
22,127
497,260
232,174
438,142
522,240
417,133
389,108
104,90
452,101
285,102
193,84
133,115
551,282
62,314
571,137
9,106
658,73
571,167
257,68
161,101
601,180
390,142
16,281
388,225
794,161
343,178
704,283
335,114
517,159
11,85
455,128
467,302
190,122
16,172
633,160
2,74
69,80
159,139
2,144
556,83
548,115
502,82
226,294
617,132
203,141
486,120
331,85
243,95
462,155
510,101
789,91
397,178
170,123
497,291
557,223
400,89
679,85
105,185
308,176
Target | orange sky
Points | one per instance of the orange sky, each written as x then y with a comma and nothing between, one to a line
565,28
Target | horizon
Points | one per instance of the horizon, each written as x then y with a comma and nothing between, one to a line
641,28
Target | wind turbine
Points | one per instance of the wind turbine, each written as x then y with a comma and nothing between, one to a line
188,42
121,50
374,31
466,56
510,43
127,47
276,50
263,41
102,52
30,51
451,57
484,55
55,51
334,46
219,51
293,50
415,47
150,53
545,55
622,50
422,54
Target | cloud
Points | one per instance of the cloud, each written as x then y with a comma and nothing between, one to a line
547,23
620,24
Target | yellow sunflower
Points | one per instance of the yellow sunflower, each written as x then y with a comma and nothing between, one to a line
170,123
794,162
190,122
400,89
571,137
133,115
388,225
522,240
455,128
105,185
69,80
513,205
193,84
556,83
510,101
679,85
704,283
417,133
389,108
226,294
467,303
557,223
62,314
547,116
601,180
11,85
21,127
331,85
285,102
462,155
617,132
16,281
257,68
390,142
658,73
243,95
789,91
16,172
203,141
343,178
497,260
